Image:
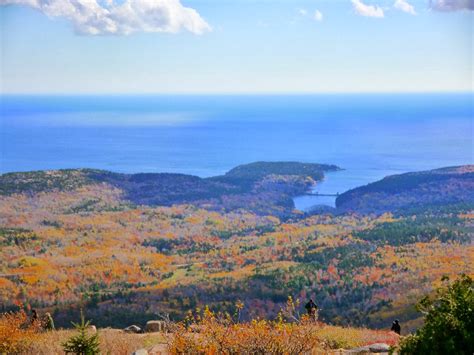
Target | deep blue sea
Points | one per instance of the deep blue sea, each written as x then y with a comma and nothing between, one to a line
370,136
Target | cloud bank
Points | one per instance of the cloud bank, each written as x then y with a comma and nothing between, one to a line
452,5
404,6
109,17
367,10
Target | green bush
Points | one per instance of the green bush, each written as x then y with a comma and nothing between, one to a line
449,321
82,343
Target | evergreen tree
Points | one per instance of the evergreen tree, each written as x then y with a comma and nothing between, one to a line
82,343
449,322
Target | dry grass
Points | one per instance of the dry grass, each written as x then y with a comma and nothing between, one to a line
112,341
347,338
203,332
243,338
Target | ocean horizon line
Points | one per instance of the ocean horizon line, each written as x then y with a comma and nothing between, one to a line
197,94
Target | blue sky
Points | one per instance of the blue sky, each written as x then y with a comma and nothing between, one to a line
239,46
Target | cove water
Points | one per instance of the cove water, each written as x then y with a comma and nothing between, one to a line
370,136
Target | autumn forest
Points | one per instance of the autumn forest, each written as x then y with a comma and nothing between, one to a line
128,247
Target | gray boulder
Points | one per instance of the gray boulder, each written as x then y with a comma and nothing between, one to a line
133,329
155,326
379,348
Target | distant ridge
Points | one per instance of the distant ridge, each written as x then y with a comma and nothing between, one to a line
262,187
448,185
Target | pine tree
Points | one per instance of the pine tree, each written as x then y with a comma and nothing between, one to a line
82,343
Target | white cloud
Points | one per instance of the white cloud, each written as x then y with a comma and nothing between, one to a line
110,17
404,6
367,10
452,5
318,16
303,12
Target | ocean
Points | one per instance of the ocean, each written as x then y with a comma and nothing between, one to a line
369,136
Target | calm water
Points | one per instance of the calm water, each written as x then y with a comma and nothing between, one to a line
370,136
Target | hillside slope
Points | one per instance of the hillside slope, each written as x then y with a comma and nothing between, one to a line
411,190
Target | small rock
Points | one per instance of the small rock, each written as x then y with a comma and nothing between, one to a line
140,352
133,329
92,328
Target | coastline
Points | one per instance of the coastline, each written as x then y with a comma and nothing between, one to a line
338,182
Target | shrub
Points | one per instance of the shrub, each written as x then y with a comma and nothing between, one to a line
205,332
16,332
449,321
216,334
82,343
